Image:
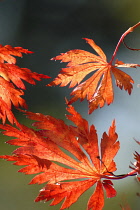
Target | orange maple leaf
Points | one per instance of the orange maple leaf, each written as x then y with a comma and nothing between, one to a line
40,150
98,88
11,83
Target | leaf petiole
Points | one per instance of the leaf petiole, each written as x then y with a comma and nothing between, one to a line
131,29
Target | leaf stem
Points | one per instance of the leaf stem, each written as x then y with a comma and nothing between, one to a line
121,176
131,29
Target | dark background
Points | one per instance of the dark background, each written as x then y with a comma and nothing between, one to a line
49,27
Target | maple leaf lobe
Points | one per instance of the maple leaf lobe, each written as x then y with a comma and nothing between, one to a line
7,52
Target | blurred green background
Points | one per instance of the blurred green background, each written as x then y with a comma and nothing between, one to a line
49,27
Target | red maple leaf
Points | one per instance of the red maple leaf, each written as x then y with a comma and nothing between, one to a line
97,88
40,150
11,83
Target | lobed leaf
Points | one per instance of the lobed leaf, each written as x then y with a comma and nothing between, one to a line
56,152
97,89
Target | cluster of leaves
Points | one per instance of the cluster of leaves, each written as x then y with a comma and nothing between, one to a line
11,84
59,154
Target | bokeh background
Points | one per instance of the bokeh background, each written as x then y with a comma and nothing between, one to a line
49,27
